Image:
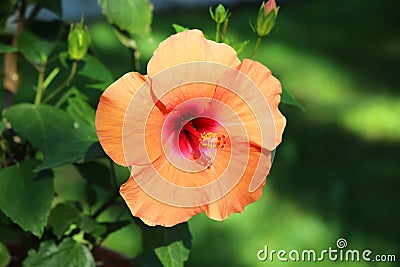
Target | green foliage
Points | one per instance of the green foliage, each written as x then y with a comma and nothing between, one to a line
26,196
133,16
68,253
7,49
53,131
77,145
65,215
52,75
170,245
5,257
288,99
80,111
92,68
239,47
179,28
42,125
62,217
103,229
35,49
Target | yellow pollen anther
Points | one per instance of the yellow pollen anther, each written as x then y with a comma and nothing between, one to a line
209,139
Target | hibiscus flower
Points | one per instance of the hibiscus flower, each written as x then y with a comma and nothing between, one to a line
198,132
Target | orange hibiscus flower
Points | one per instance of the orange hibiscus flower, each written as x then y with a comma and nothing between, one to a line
197,132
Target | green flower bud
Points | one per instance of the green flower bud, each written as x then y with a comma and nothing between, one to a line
220,14
78,41
266,18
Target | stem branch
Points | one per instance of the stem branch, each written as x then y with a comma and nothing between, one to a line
66,83
255,48
224,28
217,32
40,87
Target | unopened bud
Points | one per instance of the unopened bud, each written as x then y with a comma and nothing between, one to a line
78,41
266,18
220,14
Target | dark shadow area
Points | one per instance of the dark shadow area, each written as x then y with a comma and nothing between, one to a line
362,36
334,172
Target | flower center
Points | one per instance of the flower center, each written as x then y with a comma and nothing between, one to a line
198,140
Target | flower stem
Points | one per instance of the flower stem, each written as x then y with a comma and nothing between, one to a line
217,32
66,83
40,87
255,47
224,28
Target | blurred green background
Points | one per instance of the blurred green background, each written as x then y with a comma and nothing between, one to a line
336,174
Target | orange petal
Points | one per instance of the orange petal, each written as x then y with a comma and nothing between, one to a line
154,212
190,46
110,116
257,104
151,211
271,89
236,200
186,92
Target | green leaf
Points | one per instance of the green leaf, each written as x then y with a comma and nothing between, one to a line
92,68
5,257
26,196
89,67
288,99
80,111
79,144
62,217
173,255
125,39
87,224
7,49
171,245
96,174
133,16
239,47
91,194
34,48
53,131
67,254
2,126
179,28
53,5
104,229
63,57
98,86
42,125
